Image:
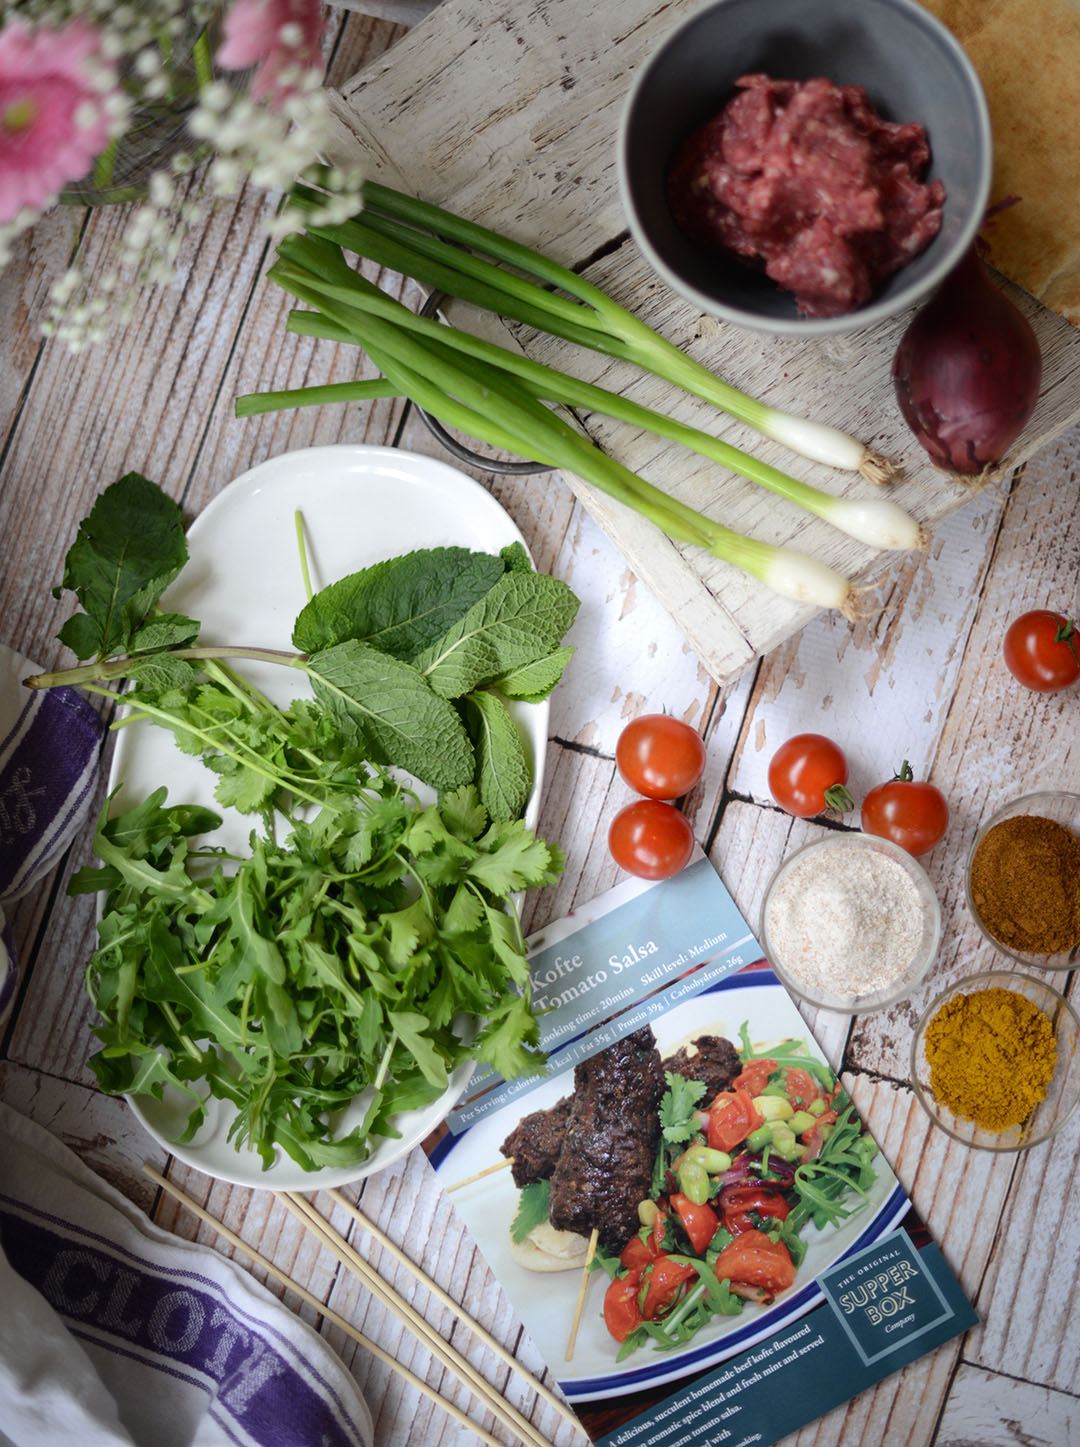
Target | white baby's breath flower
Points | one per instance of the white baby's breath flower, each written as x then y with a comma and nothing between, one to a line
148,63
162,190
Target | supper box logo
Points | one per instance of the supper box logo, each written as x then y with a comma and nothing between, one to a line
884,1297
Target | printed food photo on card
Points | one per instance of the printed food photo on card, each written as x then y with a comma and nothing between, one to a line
684,1203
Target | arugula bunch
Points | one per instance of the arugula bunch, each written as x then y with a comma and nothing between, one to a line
340,963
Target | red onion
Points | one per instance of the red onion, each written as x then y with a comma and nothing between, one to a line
967,371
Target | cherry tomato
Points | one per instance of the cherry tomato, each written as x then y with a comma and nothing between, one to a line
737,1202
1041,651
807,776
699,1222
754,1076
621,1311
732,1117
756,1260
635,1255
665,1285
912,814
650,839
800,1087
660,756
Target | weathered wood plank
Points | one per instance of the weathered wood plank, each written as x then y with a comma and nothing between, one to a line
994,1409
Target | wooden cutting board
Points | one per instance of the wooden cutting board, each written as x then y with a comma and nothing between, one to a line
508,112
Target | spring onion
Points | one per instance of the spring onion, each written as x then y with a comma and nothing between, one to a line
877,522
426,242
489,403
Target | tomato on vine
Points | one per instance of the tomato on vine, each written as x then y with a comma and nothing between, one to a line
660,756
1041,651
650,839
910,812
808,774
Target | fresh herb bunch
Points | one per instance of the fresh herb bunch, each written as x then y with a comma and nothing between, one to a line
336,964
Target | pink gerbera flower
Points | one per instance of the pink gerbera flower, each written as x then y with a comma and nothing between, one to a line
279,37
52,121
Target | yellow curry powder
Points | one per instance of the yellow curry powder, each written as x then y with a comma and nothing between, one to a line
991,1055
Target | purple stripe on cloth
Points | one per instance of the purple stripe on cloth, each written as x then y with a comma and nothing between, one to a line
63,826
178,1327
45,779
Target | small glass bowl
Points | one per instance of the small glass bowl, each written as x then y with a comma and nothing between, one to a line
1062,1094
900,985
1063,809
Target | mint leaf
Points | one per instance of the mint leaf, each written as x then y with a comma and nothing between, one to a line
126,553
398,606
165,630
503,774
523,617
532,682
532,1211
389,707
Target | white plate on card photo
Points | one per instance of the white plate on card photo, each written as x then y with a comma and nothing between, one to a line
546,1301
243,581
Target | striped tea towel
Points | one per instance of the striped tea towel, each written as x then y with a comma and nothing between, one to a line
49,745
114,1332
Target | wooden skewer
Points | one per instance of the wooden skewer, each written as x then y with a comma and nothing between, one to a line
321,1307
451,1305
582,1289
503,1411
487,1171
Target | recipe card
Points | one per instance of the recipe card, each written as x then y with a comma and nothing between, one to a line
695,1227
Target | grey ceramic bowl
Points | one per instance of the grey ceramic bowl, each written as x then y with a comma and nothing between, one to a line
912,70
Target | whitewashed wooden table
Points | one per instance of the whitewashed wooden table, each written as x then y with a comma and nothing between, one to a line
923,680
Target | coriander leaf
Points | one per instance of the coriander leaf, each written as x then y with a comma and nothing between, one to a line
502,770
677,1107
126,553
514,859
390,707
463,814
464,913
409,1027
523,616
407,929
507,944
516,558
504,1041
532,1211
533,681
398,606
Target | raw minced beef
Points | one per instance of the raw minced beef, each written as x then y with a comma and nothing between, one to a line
808,180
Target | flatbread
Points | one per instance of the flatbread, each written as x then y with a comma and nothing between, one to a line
1027,55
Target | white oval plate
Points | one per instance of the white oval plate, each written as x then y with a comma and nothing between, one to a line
243,582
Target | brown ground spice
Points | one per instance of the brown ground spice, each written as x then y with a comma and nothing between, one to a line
991,1055
1025,884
